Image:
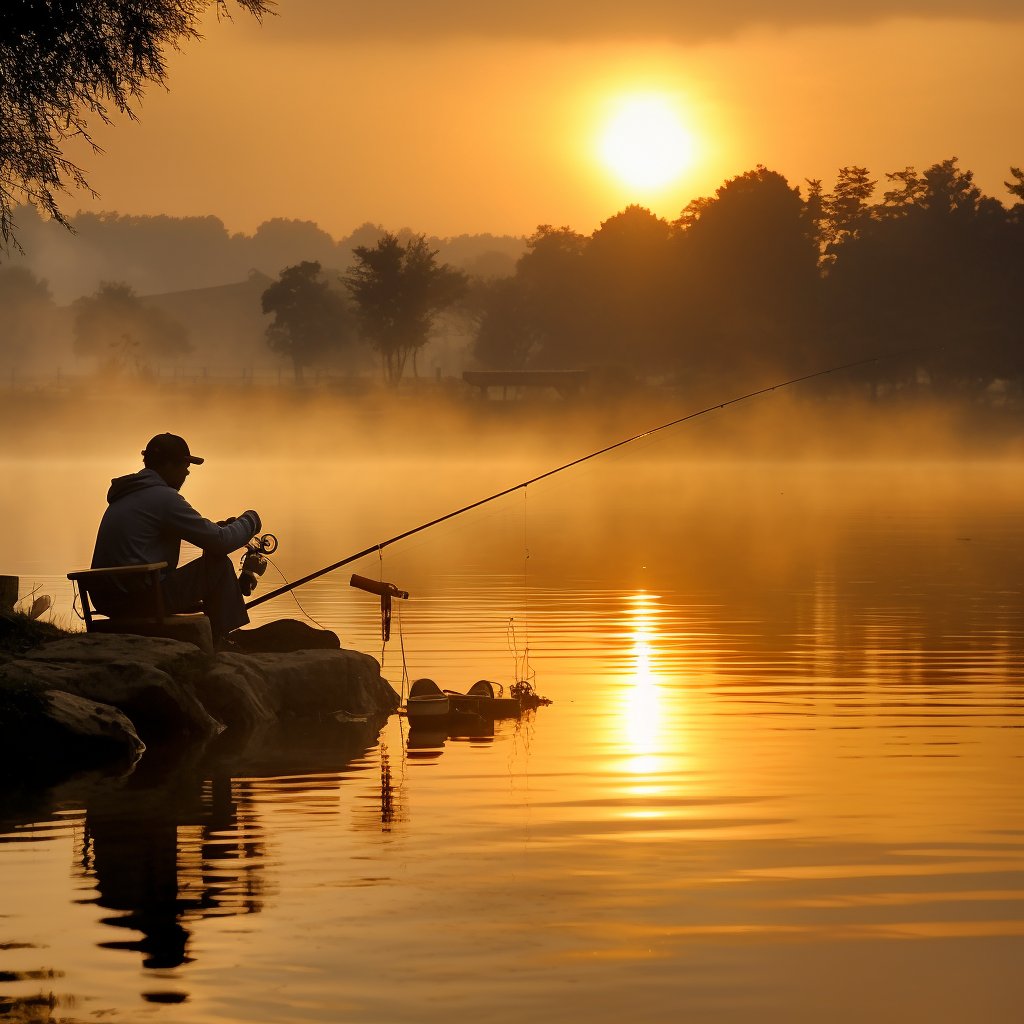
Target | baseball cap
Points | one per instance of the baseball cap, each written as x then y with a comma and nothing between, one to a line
171,448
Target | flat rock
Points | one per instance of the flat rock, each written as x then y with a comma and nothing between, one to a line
184,661
152,680
246,689
324,682
170,691
237,693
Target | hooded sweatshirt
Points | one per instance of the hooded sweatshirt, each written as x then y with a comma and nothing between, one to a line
146,520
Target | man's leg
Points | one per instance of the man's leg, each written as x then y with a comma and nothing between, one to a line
211,580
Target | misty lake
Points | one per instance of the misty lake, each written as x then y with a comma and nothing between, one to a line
781,779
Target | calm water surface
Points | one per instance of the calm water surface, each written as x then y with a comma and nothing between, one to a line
781,779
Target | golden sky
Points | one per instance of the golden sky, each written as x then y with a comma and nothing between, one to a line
453,117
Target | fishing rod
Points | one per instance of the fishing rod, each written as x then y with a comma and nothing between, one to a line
551,472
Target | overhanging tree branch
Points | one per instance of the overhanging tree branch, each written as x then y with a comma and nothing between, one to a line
64,63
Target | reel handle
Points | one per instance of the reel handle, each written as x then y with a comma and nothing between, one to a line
265,545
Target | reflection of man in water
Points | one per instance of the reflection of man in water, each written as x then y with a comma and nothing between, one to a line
158,871
147,519
135,861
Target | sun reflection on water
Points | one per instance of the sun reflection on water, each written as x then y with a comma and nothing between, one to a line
643,714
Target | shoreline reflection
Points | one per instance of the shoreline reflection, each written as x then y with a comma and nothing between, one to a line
179,842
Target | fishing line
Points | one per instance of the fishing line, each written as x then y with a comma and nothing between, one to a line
521,671
560,469
524,672
513,646
401,644
294,598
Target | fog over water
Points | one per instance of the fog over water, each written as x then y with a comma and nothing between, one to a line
333,475
780,779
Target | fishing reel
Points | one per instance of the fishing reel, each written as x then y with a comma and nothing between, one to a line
254,562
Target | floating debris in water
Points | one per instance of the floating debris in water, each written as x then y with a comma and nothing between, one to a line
522,690
347,716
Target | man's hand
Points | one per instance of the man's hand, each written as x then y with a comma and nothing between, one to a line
254,518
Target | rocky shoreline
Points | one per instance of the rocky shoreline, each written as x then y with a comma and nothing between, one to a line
92,701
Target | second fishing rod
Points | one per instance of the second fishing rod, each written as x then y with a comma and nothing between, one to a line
381,545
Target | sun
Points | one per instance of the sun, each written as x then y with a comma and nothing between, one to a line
645,143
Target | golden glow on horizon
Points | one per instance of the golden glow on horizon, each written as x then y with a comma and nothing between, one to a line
521,147
645,143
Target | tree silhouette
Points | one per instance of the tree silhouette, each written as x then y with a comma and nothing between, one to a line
310,317
935,269
631,269
760,278
606,300
815,216
398,291
1016,189
62,64
552,281
504,337
123,332
26,313
846,210
748,278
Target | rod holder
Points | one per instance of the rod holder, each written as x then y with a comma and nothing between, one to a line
377,587
386,591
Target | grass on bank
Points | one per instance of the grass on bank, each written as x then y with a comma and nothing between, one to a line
20,633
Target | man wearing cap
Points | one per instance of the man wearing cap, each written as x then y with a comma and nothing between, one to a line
147,519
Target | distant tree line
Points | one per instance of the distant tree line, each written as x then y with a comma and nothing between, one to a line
762,279
386,302
162,254
765,276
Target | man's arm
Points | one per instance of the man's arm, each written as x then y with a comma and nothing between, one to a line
181,519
